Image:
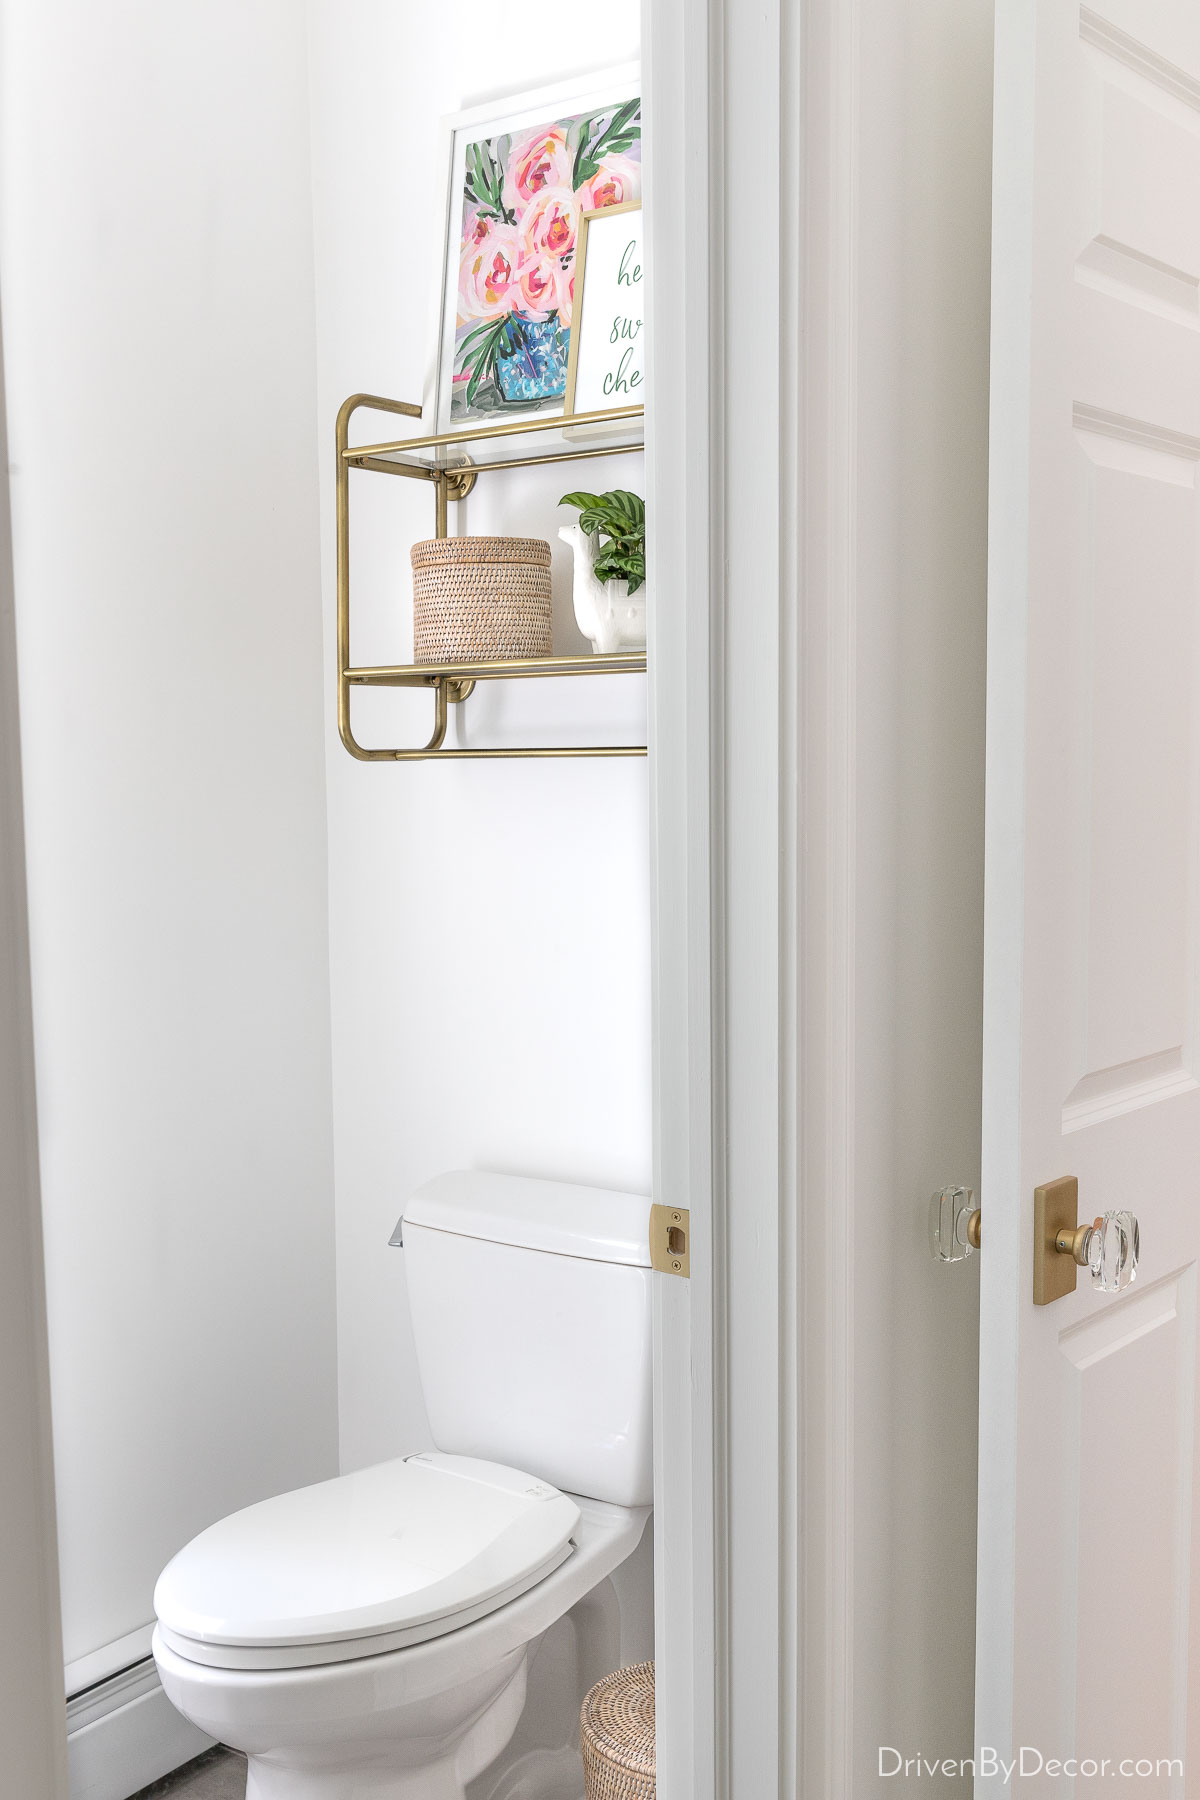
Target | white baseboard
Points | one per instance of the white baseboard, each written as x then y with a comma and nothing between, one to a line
124,1733
110,1659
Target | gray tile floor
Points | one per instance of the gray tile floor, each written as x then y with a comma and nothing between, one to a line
218,1775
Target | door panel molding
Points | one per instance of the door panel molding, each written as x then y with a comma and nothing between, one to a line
1125,48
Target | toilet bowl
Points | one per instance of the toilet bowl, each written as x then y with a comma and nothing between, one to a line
369,1637
416,1722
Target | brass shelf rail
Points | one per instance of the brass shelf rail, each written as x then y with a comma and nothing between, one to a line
442,461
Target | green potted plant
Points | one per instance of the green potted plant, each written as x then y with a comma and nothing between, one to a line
609,546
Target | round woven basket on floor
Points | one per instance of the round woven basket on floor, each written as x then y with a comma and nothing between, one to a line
616,1727
476,599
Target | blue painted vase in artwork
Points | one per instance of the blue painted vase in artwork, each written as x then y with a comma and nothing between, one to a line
538,369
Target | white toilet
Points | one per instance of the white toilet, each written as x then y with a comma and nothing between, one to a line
368,1638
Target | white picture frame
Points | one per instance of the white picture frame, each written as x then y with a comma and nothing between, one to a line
513,117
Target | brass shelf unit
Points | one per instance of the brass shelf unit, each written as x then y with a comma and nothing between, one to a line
445,462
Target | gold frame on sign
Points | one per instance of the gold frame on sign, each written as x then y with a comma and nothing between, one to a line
569,414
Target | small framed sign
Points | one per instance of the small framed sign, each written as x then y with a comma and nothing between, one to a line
606,367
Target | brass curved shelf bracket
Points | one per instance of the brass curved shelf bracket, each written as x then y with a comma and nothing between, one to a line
441,715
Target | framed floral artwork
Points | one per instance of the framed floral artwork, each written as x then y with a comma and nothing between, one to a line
522,174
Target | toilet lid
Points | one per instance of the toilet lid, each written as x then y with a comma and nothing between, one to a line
374,1553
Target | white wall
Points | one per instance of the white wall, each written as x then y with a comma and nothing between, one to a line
488,922
157,285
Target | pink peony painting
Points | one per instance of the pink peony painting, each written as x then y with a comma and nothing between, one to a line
523,195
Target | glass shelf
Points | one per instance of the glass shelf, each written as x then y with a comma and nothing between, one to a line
512,444
417,675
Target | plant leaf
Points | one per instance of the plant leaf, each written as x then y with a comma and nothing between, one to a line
616,136
483,178
619,517
578,132
625,506
473,336
493,179
480,342
485,367
583,130
614,564
476,174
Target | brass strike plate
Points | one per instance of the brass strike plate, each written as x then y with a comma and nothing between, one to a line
1055,1209
670,1240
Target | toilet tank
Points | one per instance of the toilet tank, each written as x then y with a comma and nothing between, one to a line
531,1312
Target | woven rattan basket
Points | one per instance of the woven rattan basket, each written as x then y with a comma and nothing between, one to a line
476,599
616,1728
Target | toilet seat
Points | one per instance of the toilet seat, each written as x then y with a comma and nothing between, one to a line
368,1562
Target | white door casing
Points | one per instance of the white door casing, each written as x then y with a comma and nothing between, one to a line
1091,1052
725,1615
723,144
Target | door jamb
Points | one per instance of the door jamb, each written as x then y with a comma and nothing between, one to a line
752,509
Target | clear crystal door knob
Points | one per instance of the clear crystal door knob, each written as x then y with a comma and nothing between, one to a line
954,1224
1112,1251
1109,1247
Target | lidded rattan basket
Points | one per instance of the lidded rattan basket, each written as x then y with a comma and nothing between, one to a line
616,1729
480,599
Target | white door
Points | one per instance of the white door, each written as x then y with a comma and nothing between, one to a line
1089,1596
